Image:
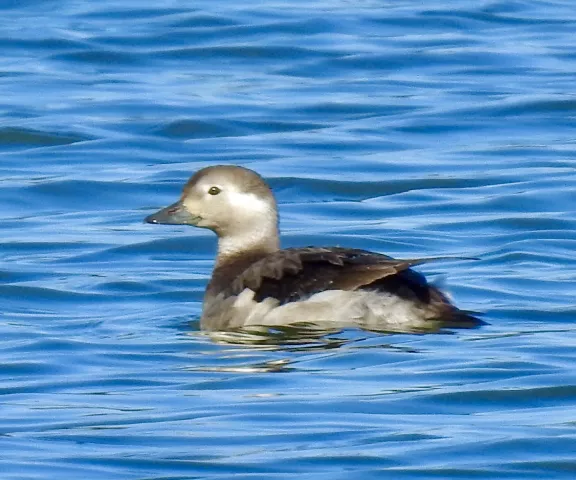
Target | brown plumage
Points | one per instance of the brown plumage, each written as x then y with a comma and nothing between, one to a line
256,283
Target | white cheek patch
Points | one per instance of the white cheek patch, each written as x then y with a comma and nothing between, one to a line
248,202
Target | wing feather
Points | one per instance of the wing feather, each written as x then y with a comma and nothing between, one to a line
296,273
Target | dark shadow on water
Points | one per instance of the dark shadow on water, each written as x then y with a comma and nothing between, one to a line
307,337
294,338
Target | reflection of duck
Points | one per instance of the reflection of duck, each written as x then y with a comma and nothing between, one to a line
256,283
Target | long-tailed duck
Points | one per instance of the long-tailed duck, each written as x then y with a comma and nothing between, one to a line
255,283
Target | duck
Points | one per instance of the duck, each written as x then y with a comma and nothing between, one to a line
256,283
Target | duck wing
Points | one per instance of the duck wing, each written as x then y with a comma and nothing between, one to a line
296,273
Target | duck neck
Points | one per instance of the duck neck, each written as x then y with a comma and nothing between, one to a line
236,254
260,241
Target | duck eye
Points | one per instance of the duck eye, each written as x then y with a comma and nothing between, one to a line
214,190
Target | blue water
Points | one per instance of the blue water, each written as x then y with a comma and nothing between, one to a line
438,129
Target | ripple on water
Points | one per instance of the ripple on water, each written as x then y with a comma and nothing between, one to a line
443,130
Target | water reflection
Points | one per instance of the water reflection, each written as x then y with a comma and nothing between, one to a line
305,336
292,346
276,366
300,337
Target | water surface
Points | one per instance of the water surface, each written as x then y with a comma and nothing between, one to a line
444,129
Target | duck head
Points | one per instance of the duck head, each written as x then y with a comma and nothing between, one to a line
234,202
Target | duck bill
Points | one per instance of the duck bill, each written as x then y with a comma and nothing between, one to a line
175,214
